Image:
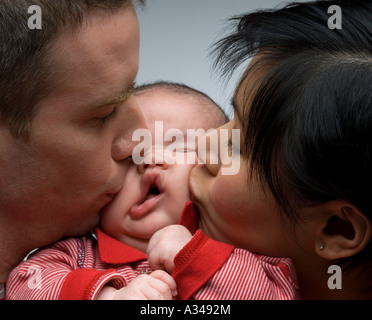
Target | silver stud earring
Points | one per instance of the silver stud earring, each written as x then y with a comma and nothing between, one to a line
322,246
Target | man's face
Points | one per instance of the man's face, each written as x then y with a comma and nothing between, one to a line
74,163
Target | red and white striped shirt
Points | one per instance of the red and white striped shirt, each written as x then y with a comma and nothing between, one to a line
78,268
207,269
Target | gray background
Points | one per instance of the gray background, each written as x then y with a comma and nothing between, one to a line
176,36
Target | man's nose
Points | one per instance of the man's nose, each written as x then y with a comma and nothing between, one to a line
130,119
153,158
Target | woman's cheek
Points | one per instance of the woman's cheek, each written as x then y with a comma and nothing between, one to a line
223,193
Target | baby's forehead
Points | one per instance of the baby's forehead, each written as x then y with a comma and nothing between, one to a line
169,106
179,106
169,98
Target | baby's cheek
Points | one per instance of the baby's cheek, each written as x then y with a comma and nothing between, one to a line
181,196
176,199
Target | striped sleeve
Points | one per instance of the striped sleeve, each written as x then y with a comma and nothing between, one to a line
51,274
197,262
246,276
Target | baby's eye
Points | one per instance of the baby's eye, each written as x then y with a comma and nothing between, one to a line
183,150
187,150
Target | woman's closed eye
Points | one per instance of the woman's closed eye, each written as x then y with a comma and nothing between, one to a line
232,148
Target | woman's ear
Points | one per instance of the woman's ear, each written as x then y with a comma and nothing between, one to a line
343,232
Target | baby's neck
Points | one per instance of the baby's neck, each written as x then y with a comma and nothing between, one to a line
139,244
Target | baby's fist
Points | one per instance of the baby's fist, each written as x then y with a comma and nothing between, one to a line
164,246
159,285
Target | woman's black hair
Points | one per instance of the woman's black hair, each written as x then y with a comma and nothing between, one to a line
308,125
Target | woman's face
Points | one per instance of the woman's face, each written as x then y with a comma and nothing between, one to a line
235,208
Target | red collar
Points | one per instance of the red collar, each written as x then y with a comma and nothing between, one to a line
190,217
112,251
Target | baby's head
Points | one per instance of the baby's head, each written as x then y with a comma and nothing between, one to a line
154,194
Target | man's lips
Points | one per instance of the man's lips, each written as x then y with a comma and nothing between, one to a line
152,193
107,199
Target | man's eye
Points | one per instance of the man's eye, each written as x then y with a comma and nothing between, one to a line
112,115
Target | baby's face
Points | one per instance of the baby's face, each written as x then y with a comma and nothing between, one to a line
152,198
153,195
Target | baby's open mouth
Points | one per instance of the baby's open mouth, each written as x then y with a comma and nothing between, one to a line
152,192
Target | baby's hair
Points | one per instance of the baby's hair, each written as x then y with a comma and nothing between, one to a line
180,88
307,124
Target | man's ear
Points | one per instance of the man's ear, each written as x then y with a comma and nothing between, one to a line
343,232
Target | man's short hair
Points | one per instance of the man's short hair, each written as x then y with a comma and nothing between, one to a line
26,68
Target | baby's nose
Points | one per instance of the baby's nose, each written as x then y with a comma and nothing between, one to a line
153,158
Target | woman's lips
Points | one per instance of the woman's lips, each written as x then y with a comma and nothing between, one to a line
152,193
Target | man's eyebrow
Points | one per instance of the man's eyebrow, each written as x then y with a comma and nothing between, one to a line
122,96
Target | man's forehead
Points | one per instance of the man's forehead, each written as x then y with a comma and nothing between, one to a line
95,66
86,47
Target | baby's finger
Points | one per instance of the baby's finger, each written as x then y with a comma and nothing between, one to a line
167,280
156,293
153,252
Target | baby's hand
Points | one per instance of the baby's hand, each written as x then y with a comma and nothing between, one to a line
158,285
164,246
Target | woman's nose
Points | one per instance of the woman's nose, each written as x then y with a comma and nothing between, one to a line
212,146
208,151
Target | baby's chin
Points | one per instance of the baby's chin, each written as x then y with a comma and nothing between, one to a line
138,232
154,220
140,244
